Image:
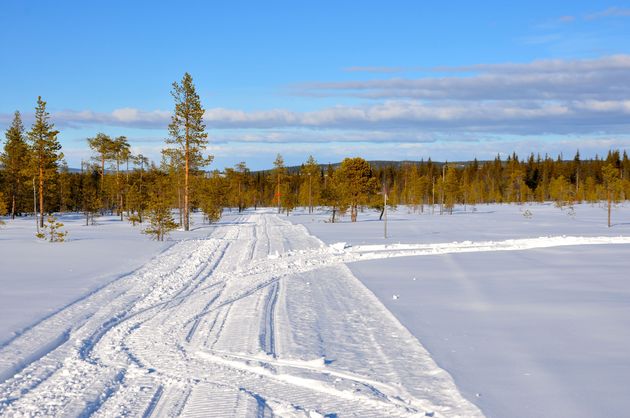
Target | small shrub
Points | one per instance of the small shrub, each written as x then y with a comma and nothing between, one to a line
134,219
52,231
160,222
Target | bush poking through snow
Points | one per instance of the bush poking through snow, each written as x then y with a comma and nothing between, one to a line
51,231
161,222
134,219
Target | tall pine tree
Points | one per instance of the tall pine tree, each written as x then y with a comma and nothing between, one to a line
15,162
356,184
45,152
187,133
102,145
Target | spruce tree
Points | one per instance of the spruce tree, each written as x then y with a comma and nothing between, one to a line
187,133
14,159
45,152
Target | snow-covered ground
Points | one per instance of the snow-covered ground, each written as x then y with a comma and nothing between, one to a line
255,316
258,318
525,331
481,223
38,278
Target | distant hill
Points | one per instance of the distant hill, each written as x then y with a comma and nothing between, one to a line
378,164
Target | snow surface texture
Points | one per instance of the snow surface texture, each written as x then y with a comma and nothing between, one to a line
537,333
538,329
38,278
257,319
481,223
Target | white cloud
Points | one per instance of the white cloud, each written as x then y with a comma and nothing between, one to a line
610,12
118,117
601,78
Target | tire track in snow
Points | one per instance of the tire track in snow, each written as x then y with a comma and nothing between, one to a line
146,358
267,332
21,384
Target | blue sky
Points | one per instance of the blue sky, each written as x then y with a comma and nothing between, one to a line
383,80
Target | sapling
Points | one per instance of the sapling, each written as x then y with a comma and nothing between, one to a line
51,231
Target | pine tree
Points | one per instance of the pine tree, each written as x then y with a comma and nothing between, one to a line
214,196
330,194
3,207
15,159
612,185
45,152
279,172
120,152
138,189
51,231
310,189
161,221
102,145
356,184
237,179
561,191
187,133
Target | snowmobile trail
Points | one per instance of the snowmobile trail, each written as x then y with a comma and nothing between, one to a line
258,319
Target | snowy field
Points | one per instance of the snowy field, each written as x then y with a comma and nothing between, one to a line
539,332
37,278
256,318
481,223
265,315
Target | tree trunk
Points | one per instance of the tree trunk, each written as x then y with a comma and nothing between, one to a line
609,205
35,206
13,206
179,203
186,191
41,196
102,174
279,193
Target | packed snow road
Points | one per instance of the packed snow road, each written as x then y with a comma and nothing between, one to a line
257,319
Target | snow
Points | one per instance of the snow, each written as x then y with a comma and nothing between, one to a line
482,312
482,223
212,325
530,316
524,333
38,278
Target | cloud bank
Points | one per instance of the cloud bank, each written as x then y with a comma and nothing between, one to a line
540,97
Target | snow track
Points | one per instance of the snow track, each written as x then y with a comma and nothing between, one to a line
258,319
